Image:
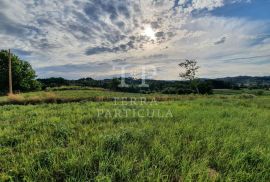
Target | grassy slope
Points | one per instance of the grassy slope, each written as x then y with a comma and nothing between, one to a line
206,139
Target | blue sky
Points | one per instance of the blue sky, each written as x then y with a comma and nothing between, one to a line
255,10
93,38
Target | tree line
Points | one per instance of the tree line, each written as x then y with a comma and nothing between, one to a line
161,86
25,79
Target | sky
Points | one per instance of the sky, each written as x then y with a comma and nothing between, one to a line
99,39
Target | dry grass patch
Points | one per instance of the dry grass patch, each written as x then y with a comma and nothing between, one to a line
16,98
50,97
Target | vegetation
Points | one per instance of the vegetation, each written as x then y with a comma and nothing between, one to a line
74,130
83,94
155,86
207,138
205,86
22,73
257,92
248,81
79,94
190,70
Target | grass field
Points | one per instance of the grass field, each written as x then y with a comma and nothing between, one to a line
87,94
242,91
190,138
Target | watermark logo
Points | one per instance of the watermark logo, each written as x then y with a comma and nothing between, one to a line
135,107
146,72
132,107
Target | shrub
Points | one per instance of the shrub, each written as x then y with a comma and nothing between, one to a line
260,92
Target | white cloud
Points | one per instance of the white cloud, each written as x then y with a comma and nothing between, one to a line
208,4
60,34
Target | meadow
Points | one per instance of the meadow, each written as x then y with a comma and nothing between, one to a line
222,137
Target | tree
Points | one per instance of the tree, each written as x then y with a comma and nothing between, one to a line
54,82
23,75
114,84
190,70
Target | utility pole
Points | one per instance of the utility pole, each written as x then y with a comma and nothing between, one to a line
10,72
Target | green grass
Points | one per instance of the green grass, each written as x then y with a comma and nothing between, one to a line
89,93
208,138
71,94
242,91
86,94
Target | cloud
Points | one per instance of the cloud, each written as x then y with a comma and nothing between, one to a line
22,52
207,4
98,50
260,40
78,35
221,41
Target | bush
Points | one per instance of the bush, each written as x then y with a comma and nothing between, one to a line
260,92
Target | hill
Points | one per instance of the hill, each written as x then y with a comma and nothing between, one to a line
247,80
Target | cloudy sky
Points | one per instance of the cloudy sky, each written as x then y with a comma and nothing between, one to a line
94,38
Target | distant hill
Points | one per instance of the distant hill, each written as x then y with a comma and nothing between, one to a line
247,80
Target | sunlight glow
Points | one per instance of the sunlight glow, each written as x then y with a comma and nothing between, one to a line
149,32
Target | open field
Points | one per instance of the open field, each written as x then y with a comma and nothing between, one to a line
77,94
86,94
193,138
242,91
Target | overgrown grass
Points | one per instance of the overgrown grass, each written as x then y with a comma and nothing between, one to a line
208,138
86,94
258,92
78,94
46,97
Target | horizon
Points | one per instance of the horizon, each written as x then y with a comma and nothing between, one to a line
240,76
94,39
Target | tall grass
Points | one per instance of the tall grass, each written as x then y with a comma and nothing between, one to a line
94,95
47,97
15,98
207,139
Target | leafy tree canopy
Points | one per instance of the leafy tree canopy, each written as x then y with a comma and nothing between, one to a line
23,75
